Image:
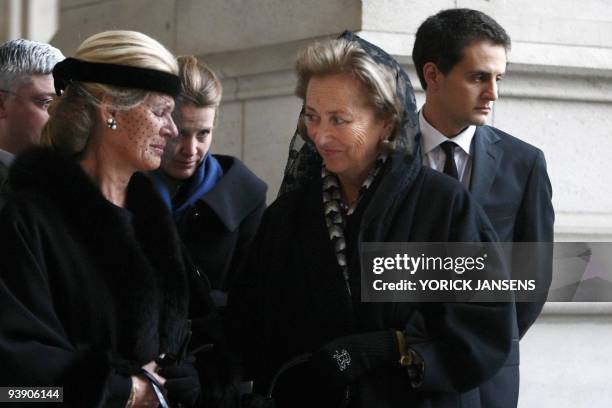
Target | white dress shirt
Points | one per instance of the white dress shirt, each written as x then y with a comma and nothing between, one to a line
6,158
433,156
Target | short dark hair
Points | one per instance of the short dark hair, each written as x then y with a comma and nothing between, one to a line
442,38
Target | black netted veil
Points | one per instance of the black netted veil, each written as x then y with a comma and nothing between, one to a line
304,163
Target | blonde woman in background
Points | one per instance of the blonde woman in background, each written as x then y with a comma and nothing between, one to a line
216,201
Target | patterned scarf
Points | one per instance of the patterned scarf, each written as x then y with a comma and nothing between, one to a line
336,211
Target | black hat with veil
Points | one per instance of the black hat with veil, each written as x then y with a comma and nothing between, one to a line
304,162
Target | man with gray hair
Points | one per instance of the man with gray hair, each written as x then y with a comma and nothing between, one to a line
26,90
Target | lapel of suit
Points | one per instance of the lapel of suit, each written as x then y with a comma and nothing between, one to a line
3,174
487,156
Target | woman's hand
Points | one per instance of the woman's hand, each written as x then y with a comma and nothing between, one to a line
143,394
341,361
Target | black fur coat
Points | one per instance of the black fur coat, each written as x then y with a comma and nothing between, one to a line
89,292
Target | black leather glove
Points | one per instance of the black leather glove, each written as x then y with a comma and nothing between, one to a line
257,401
182,383
341,361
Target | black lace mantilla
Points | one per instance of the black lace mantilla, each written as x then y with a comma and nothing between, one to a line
304,163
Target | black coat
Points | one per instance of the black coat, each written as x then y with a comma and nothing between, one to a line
4,187
291,298
219,228
89,292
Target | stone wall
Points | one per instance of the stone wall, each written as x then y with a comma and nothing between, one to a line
556,95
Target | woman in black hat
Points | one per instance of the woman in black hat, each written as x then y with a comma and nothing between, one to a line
94,291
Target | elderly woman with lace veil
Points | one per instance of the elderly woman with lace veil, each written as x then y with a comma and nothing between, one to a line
357,178
94,290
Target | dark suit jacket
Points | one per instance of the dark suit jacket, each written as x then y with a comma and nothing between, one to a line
509,180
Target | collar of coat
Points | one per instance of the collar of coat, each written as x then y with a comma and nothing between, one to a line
237,194
396,178
144,256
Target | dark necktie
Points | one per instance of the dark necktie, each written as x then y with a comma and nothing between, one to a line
450,167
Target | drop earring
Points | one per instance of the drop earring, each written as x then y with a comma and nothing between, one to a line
111,123
387,143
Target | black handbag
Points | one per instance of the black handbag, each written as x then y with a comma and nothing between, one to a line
273,400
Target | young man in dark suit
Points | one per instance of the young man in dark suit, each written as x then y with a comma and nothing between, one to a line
460,56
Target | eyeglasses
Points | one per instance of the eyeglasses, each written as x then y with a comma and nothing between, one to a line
42,103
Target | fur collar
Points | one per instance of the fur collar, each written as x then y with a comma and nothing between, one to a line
141,260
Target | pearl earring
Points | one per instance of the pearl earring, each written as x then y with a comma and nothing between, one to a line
111,123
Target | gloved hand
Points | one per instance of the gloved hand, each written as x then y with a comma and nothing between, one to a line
341,361
182,383
257,401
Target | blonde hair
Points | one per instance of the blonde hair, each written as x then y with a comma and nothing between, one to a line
340,56
73,116
199,84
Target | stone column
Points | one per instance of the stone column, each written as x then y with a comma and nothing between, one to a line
10,19
32,19
40,19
